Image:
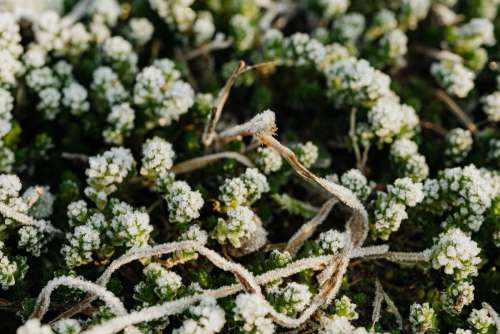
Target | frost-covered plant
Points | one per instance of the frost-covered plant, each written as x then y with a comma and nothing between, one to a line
106,171
455,253
453,77
245,189
344,307
458,145
356,182
390,207
292,298
480,321
331,242
159,285
268,160
157,160
206,317
121,123
491,106
307,153
184,204
423,318
239,226
253,314
462,194
404,153
456,296
67,326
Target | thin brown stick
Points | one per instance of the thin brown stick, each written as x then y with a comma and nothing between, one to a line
200,162
217,44
209,132
455,108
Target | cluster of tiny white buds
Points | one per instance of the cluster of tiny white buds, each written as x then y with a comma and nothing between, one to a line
140,30
422,318
67,326
245,189
454,77
184,204
239,226
344,307
404,153
480,321
331,242
120,124
157,159
307,153
268,160
355,181
33,326
292,299
456,296
491,106
251,310
458,145
206,318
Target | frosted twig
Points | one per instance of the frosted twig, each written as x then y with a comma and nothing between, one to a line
216,44
402,257
308,229
455,108
392,306
493,314
209,132
34,197
263,122
369,251
77,12
200,162
43,300
8,212
377,303
354,139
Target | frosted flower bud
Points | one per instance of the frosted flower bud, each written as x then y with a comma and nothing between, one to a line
184,204
205,318
107,11
77,212
491,106
300,49
355,181
245,189
329,8
242,31
331,242
422,318
393,45
67,326
50,102
141,30
35,56
239,226
458,145
40,78
268,160
453,77
292,299
193,233
75,98
33,326
480,321
10,69
203,27
166,282
455,253
383,21
157,158
472,35
6,107
120,124
81,244
408,192
108,87
456,296
117,49
34,238
43,206
10,37
252,312
344,307
348,27
306,153
336,325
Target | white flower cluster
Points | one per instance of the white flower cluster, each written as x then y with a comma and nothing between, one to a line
331,242
157,160
193,233
243,31
106,171
383,21
245,189
344,307
10,50
463,193
107,87
494,150
340,325
6,107
184,204
413,11
82,242
140,30
422,318
480,321
12,270
354,82
177,13
33,326
300,49
48,83
456,253
159,285
390,120
472,35
458,145
120,124
292,299
128,227
239,226
356,182
348,27
390,207
34,239
454,77
268,160
118,53
204,27
392,46
404,154
307,153
10,186
160,93
106,11
67,326
456,296
252,311
207,318
491,106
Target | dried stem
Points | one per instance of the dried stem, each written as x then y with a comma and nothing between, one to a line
377,303
209,132
455,108
308,229
200,162
216,44
354,139
8,212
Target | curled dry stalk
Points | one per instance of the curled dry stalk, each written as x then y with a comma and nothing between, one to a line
332,268
200,162
308,229
455,108
216,44
380,296
24,219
